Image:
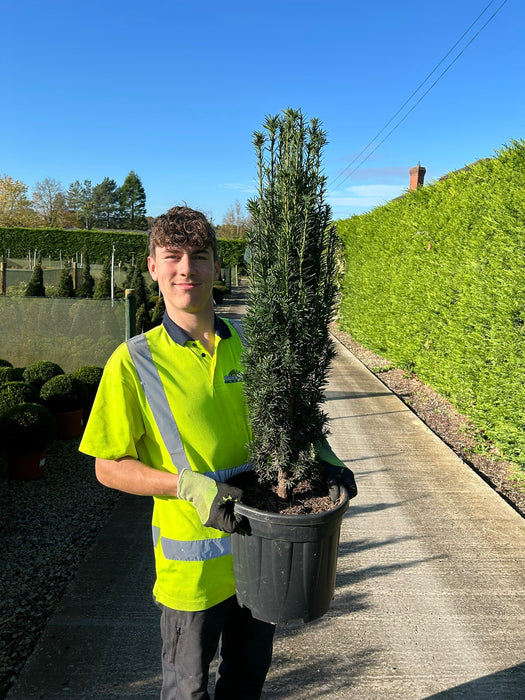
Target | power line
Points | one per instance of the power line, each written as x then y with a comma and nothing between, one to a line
338,180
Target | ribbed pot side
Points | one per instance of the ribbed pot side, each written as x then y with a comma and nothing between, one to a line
285,568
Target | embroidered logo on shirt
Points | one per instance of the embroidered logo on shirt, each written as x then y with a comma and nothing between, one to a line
233,376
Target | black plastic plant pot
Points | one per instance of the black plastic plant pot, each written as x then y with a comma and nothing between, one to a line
285,568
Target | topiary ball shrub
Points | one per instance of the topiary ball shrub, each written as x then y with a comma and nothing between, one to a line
63,393
5,363
7,374
28,427
18,374
90,376
40,372
14,393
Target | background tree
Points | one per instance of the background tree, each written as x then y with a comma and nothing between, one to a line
158,312
79,201
15,206
106,198
142,320
103,285
133,203
128,281
87,286
65,285
49,200
138,284
36,288
235,223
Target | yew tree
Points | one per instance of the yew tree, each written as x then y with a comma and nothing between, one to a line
292,259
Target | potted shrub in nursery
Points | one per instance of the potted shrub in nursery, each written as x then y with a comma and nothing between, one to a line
66,397
14,393
26,430
39,373
90,376
285,567
8,373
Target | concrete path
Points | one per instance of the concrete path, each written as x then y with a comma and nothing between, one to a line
430,598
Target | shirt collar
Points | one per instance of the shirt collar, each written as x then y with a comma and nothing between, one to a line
180,336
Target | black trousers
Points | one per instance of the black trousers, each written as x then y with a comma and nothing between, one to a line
190,640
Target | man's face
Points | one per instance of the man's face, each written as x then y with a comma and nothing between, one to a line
185,276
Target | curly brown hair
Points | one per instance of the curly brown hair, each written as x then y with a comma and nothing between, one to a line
182,226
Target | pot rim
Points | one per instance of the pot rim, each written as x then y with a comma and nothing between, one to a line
296,520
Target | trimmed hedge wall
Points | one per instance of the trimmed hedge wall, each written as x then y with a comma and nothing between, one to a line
231,252
435,282
50,241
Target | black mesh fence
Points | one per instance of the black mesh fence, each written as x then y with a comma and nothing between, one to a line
70,332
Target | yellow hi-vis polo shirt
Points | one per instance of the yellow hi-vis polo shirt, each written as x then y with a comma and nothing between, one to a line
204,393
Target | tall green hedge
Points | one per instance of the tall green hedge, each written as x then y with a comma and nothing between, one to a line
50,242
231,252
435,282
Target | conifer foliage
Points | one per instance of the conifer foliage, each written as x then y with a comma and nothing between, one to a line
103,285
36,288
87,285
65,285
292,246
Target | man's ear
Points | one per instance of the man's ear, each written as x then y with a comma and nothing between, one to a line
217,269
152,267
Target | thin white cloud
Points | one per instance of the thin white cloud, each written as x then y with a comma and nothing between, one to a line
365,196
239,187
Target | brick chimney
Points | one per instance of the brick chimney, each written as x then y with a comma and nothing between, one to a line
417,177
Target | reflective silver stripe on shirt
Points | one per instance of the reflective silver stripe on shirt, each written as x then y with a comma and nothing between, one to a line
240,330
158,401
195,550
155,531
191,550
175,550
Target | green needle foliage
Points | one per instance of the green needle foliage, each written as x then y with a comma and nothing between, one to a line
36,288
65,285
435,282
87,286
292,246
103,285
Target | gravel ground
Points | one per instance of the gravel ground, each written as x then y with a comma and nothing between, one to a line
46,527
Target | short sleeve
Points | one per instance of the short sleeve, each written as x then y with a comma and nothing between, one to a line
115,424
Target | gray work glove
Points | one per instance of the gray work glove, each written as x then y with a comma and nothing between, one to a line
213,500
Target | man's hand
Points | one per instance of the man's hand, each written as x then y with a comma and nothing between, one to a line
213,500
336,472
337,476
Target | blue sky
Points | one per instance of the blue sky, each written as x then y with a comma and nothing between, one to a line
175,89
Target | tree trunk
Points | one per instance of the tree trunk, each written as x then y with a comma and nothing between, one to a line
282,488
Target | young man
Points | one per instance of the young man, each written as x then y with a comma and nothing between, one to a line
170,422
